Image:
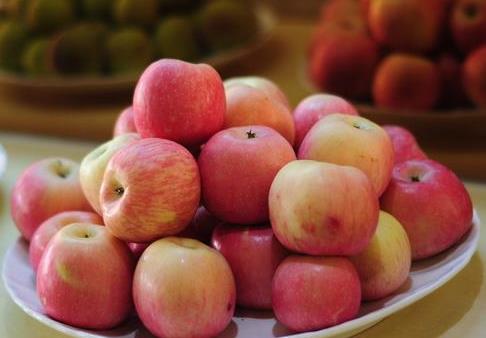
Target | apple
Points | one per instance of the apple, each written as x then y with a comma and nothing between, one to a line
94,164
452,89
337,9
137,249
313,108
84,277
253,254
237,167
431,203
405,145
319,208
51,226
44,189
125,123
474,74
265,85
188,293
179,101
201,226
385,263
354,141
468,24
151,188
312,293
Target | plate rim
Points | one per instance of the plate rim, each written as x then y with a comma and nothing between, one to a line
354,326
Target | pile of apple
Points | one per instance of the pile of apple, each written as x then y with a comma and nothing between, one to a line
408,54
232,199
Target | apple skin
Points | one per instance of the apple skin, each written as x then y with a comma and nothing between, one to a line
94,164
44,189
51,226
125,123
137,249
309,208
179,101
405,145
142,203
267,86
353,141
189,293
431,203
313,108
253,254
385,263
201,226
237,167
468,24
474,74
312,293
84,278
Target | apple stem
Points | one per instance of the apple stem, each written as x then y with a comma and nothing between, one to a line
251,134
415,178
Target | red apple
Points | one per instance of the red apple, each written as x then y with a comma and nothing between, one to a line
84,278
237,167
201,226
385,263
336,9
354,141
125,122
137,249
151,188
51,226
475,76
319,208
313,108
253,254
312,293
452,89
431,203
188,293
405,145
44,189
179,101
468,24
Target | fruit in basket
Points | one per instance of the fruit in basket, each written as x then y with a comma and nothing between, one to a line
131,13
312,293
51,226
313,108
344,64
35,58
237,167
201,226
310,205
452,89
189,293
13,37
169,34
97,9
44,189
129,51
150,189
474,76
66,285
248,105
407,25
94,164
125,122
431,203
253,254
176,116
468,24
406,81
354,141
224,24
405,145
385,263
47,16
79,49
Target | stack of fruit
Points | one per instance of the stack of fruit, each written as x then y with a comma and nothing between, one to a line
408,54
297,232
65,37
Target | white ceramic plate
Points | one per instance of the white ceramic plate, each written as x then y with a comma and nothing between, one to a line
3,160
425,277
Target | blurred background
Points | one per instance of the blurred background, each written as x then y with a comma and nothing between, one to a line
68,67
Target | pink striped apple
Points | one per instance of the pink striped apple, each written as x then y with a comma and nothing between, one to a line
125,123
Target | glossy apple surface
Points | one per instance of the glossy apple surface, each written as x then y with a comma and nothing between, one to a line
125,122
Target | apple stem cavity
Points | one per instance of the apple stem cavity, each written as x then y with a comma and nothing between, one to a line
470,11
119,191
415,178
61,170
250,134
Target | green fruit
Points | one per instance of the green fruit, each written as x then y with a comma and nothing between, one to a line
129,51
132,12
49,15
13,36
35,58
79,50
224,24
96,9
175,38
